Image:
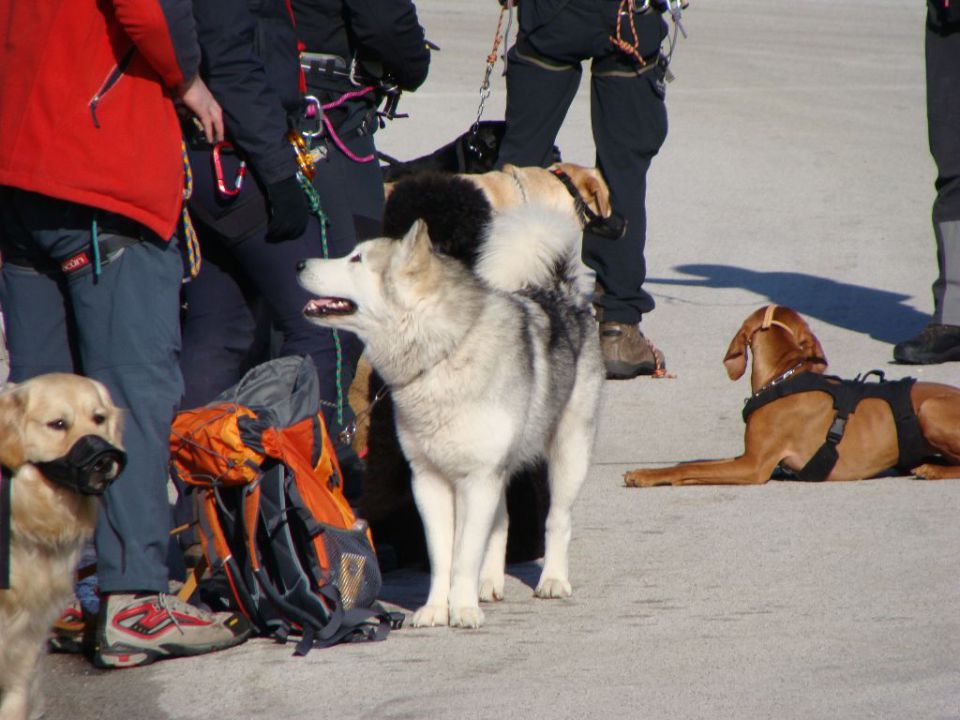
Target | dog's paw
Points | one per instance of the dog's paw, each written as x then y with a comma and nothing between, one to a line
930,471
491,589
553,588
430,616
466,616
642,478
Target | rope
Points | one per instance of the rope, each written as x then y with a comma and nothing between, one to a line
313,200
333,133
632,49
189,232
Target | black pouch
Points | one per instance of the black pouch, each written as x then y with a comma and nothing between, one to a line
944,15
233,217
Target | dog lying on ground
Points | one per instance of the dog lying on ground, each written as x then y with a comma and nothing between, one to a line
490,366
59,448
821,431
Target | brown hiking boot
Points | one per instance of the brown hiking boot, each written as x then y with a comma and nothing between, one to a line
627,353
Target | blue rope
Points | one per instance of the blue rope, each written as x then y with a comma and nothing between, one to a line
95,244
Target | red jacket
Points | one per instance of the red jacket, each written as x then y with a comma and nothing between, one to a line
120,153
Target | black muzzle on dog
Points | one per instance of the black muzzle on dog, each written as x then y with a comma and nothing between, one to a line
611,228
87,468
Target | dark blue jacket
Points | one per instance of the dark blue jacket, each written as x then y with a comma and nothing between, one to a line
380,33
250,62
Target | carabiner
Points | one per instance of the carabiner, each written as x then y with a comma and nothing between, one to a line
218,170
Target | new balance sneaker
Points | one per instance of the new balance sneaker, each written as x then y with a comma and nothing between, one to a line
71,633
138,629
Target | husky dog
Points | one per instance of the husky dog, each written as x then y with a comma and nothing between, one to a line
489,370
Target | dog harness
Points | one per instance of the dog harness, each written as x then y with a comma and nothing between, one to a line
846,395
6,520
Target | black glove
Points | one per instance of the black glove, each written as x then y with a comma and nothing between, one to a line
289,211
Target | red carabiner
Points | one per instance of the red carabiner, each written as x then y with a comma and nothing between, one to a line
218,170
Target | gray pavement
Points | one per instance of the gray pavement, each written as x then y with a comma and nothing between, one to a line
796,172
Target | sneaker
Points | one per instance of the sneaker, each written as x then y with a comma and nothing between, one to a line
138,629
71,633
627,352
934,344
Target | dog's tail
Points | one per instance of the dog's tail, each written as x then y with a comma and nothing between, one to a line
533,246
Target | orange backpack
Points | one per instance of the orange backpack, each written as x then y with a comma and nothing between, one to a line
271,514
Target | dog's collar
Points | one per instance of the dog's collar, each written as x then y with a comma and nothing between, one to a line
785,375
6,520
523,190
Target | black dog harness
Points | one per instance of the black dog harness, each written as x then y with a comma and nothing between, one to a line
847,394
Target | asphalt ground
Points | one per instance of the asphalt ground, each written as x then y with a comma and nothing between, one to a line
796,172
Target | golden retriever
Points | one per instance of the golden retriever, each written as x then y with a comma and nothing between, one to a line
40,421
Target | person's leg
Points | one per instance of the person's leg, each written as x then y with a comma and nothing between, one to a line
629,120
940,340
538,97
629,126
33,295
218,325
943,108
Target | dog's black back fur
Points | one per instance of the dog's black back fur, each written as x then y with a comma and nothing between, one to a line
456,213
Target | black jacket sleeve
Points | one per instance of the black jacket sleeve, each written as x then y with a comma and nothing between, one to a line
250,65
388,32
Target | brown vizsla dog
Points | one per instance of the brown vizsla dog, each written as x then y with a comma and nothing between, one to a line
792,428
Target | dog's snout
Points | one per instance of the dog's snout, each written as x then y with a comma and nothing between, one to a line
301,266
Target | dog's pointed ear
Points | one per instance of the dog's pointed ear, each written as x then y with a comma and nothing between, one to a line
417,246
735,361
13,405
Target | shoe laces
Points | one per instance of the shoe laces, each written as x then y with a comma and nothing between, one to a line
163,602
169,603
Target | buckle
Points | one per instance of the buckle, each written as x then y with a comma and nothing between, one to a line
835,433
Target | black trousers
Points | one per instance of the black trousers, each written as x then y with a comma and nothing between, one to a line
943,121
629,120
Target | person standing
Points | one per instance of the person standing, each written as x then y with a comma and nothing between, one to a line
91,184
629,118
940,340
251,218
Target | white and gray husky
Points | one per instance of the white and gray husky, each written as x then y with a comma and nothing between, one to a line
489,369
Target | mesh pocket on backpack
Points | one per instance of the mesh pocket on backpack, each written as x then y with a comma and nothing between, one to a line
353,566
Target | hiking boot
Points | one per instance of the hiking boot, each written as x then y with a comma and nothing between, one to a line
138,629
934,344
627,352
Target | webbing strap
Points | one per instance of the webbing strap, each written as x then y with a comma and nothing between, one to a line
6,520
